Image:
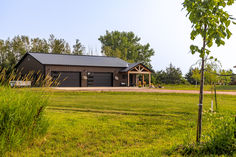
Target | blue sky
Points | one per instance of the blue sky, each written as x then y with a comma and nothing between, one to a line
158,22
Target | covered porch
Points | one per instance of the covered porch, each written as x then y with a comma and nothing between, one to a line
136,75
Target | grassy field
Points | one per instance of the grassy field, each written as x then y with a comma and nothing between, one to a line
119,124
196,87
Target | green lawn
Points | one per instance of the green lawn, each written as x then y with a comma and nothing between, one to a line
196,87
119,124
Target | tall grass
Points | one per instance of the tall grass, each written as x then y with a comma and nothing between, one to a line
22,117
37,78
21,111
219,138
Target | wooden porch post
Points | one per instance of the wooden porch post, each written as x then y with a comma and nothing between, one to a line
128,79
143,80
136,80
150,79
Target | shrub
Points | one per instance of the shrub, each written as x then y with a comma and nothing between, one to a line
219,138
22,117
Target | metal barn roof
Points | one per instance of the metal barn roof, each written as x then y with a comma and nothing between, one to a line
78,60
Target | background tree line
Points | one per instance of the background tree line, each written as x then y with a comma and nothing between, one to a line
124,45
11,50
174,75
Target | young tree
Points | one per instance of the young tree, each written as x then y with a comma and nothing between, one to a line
211,74
196,75
126,45
210,21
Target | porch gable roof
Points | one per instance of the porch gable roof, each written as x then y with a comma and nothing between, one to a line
132,66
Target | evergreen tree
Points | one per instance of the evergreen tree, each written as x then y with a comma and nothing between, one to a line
189,77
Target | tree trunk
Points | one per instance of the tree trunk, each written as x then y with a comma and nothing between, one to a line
212,98
199,122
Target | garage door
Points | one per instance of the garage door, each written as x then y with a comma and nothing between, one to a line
100,79
67,79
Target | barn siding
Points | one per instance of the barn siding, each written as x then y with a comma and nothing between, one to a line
85,70
30,64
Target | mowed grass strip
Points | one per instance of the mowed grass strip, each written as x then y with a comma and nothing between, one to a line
197,87
119,124
138,102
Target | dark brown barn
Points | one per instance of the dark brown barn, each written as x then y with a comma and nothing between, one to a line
84,71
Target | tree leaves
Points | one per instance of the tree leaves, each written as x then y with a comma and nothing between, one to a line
59,46
126,45
78,48
11,50
210,21
230,2
194,49
171,75
227,23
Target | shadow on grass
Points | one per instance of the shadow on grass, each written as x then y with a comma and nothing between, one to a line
109,112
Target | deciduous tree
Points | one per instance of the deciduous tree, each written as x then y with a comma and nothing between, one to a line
59,46
225,77
11,50
78,48
211,22
127,46
39,45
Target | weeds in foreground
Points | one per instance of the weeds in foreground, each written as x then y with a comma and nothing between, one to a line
22,111
37,78
22,117
219,138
